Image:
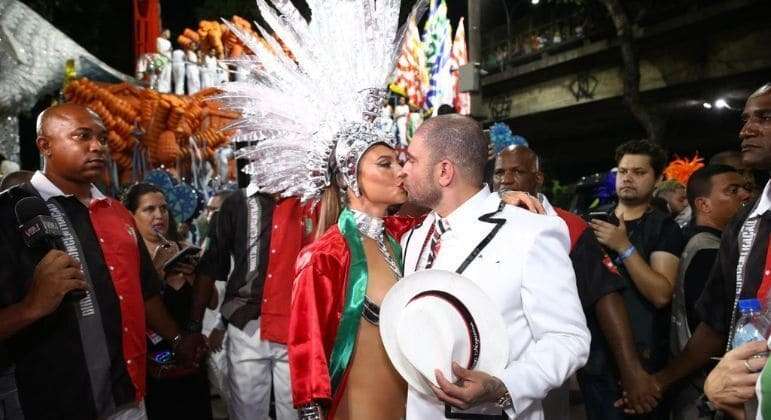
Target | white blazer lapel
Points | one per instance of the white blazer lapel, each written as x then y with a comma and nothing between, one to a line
473,236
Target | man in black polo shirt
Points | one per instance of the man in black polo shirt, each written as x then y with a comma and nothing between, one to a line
646,245
742,264
79,357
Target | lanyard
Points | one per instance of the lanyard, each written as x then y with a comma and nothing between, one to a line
88,317
746,239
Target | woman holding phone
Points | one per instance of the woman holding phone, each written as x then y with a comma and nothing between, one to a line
172,392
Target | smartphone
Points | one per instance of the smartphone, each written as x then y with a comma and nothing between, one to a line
189,255
163,357
601,215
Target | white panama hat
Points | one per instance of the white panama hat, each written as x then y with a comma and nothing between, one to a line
432,318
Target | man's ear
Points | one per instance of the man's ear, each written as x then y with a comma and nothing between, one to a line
44,146
703,205
539,180
446,172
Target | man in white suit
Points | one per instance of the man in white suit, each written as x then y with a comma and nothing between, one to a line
518,258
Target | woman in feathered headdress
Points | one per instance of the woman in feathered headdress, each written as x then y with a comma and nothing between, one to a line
314,115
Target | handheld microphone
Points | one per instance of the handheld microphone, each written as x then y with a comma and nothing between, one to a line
37,227
40,231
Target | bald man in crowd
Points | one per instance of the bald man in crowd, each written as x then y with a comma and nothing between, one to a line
599,287
79,355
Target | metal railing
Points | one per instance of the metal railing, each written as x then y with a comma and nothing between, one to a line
527,39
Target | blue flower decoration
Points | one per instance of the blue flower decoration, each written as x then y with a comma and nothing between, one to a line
183,200
502,137
606,191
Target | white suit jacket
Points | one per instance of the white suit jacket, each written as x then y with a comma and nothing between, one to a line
527,273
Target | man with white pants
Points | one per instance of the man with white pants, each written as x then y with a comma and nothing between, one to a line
261,237
252,363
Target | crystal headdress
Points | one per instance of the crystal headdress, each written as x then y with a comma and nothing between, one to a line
311,108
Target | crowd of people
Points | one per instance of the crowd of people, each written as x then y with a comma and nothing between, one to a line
355,278
637,307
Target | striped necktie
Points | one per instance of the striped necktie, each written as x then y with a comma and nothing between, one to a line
439,228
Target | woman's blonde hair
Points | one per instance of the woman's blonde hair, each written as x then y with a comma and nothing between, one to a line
330,209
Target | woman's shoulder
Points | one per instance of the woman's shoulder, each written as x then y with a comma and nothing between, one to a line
330,248
331,238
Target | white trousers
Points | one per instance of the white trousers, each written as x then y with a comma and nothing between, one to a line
252,364
134,411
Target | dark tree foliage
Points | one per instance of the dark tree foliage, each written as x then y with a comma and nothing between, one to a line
644,114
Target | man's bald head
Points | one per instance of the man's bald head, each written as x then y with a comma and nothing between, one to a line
523,153
518,168
54,114
460,140
763,90
65,111
755,133
73,141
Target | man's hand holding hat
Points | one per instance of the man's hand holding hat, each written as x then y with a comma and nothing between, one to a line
473,388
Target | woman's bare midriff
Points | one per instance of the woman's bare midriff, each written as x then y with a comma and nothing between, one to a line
374,390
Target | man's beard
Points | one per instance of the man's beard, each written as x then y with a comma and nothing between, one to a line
634,198
427,197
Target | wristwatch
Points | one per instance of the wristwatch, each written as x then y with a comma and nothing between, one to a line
504,401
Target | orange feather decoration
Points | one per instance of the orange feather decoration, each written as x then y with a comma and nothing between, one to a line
681,169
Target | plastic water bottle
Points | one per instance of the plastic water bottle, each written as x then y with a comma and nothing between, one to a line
752,324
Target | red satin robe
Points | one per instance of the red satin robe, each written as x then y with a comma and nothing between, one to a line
317,303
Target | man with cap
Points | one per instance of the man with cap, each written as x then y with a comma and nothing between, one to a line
530,279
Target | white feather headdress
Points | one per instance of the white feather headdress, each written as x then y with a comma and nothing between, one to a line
315,110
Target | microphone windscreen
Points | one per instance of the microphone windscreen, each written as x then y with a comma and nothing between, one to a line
30,207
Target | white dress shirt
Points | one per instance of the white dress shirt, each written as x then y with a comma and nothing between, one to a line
48,189
528,275
764,203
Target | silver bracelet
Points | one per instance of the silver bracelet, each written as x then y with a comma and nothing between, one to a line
311,411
